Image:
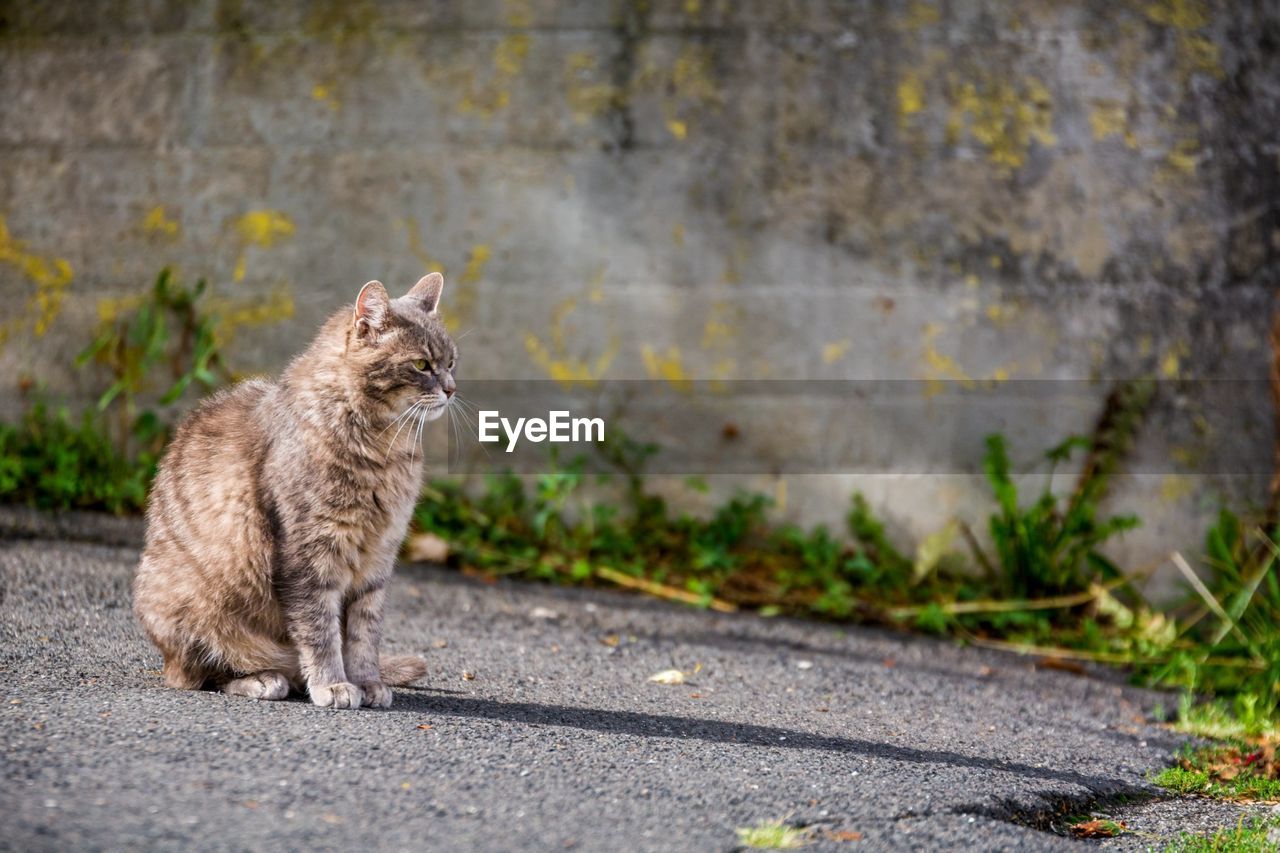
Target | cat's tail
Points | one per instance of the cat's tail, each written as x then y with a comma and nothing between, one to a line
401,670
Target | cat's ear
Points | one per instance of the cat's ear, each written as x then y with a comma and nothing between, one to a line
372,307
427,291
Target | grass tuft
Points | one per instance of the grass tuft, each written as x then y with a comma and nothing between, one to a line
1239,771
772,835
1260,835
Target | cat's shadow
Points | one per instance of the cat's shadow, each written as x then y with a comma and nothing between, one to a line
424,701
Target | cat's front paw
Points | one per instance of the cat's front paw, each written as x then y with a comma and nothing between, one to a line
376,694
340,695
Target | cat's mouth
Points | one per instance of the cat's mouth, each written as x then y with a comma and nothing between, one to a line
434,408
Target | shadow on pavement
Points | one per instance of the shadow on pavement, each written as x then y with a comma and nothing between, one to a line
720,731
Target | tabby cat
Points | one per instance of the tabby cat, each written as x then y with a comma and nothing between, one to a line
278,509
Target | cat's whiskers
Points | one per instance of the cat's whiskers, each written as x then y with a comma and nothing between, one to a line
406,419
466,407
417,438
470,424
453,427
397,420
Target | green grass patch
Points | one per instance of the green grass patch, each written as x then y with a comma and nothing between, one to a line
772,835
51,460
147,354
1235,770
1236,718
1260,835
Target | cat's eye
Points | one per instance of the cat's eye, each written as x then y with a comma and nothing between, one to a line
419,364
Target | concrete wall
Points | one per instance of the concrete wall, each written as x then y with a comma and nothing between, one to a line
957,192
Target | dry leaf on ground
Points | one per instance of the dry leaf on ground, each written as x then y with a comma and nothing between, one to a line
1060,664
844,835
668,676
1098,828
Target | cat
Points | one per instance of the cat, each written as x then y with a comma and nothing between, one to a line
278,508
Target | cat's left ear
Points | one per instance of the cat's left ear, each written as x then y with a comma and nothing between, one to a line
427,291
372,306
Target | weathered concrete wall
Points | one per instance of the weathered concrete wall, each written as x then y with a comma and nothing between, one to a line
956,192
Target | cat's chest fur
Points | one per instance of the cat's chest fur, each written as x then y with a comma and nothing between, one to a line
350,513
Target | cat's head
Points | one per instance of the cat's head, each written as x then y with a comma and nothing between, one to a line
405,356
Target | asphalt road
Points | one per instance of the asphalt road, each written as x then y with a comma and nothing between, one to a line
539,729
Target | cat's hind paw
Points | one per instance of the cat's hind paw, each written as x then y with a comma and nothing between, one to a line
340,695
260,685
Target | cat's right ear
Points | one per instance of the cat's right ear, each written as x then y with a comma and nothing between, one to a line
372,307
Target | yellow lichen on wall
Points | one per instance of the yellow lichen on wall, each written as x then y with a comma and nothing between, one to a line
275,307
1184,156
416,247
340,21
1196,53
1171,361
721,325
910,96
323,94
1176,487
1003,117
687,88
595,293
1107,119
158,224
556,359
51,276
919,14
262,228
462,300
587,98
833,351
111,307
489,96
667,365
476,261
941,368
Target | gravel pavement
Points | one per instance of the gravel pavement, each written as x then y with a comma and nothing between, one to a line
538,729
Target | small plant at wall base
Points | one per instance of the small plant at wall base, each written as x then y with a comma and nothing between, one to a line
1049,590
152,352
1230,645
163,346
51,460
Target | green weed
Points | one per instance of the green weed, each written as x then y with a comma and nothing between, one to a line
159,349
1231,770
52,461
1259,835
772,835
152,352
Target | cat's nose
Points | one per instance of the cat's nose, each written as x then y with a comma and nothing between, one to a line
449,386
